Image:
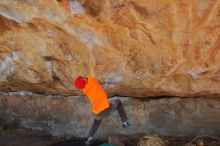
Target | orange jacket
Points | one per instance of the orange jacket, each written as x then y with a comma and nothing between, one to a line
96,95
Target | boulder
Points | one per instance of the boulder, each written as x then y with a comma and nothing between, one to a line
71,115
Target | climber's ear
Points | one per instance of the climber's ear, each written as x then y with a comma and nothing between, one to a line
85,78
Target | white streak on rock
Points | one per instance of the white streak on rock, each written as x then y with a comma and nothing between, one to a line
10,15
6,66
49,65
194,75
120,98
88,38
69,56
113,78
76,8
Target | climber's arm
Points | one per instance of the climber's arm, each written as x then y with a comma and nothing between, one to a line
92,62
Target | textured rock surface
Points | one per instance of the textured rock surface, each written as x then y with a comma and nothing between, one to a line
71,115
142,47
152,141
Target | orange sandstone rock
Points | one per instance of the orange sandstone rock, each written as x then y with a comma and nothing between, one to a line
142,47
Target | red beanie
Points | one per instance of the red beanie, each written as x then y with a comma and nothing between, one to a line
80,83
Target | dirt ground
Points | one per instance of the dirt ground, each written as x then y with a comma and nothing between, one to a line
14,135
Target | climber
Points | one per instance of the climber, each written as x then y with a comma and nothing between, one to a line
99,100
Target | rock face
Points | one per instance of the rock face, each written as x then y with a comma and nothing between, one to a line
71,116
142,47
